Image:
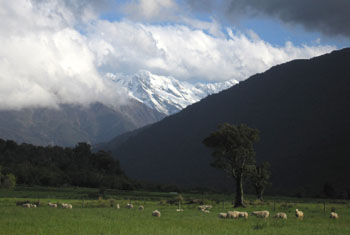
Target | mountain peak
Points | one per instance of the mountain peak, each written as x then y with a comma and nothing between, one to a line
166,94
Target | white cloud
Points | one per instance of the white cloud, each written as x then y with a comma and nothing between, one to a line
45,61
188,53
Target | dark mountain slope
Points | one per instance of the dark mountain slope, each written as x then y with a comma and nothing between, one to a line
301,109
72,124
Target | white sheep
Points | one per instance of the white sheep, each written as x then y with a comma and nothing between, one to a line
129,206
261,214
66,205
334,215
53,205
33,205
179,210
26,205
206,211
222,215
280,215
156,213
141,208
205,207
243,214
118,206
299,214
232,214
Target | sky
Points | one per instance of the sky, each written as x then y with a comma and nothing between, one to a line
58,51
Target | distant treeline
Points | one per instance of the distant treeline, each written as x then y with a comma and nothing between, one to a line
58,166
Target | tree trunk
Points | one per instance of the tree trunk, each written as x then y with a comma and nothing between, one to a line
239,202
260,195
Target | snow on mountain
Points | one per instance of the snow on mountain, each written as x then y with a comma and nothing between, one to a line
166,94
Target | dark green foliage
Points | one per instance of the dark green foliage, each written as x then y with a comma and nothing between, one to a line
57,166
234,153
7,181
260,176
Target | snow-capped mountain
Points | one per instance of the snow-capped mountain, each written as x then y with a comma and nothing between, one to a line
166,94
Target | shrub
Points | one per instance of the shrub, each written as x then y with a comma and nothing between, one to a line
8,181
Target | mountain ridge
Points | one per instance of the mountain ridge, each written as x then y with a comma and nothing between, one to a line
71,124
166,94
300,107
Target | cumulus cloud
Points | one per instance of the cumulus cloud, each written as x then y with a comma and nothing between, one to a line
54,52
188,53
44,62
326,16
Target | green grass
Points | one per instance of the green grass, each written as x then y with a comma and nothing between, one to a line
98,217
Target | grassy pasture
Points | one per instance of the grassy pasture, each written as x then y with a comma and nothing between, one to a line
98,217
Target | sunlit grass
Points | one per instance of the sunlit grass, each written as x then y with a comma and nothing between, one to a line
98,217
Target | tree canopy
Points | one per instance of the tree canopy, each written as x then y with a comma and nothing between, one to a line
233,152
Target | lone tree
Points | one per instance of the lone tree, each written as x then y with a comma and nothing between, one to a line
234,153
260,178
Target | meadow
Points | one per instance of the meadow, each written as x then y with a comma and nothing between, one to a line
99,215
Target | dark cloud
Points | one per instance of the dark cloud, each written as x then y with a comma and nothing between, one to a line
330,17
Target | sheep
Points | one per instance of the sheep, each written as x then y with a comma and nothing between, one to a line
261,214
141,208
243,215
26,205
33,205
222,215
156,213
118,206
179,210
205,211
53,205
205,207
299,214
66,205
129,206
280,215
334,215
232,214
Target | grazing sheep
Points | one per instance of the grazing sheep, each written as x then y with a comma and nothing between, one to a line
299,214
26,205
261,214
33,205
334,215
243,214
129,206
118,206
205,211
280,215
205,207
66,206
222,215
179,210
156,213
53,205
232,214
141,208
